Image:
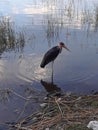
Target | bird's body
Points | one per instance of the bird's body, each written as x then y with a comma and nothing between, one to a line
51,54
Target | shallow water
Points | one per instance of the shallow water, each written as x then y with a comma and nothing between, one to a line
20,73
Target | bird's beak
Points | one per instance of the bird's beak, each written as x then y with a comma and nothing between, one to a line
66,48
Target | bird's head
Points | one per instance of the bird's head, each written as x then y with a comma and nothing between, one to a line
62,45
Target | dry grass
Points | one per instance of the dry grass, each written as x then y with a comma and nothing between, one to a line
66,113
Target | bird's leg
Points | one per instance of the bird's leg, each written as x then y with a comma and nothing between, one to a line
52,72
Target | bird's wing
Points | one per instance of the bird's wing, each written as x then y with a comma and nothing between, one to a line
50,55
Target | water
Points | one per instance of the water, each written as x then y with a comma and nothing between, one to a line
37,26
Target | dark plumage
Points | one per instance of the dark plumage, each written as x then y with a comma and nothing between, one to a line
52,54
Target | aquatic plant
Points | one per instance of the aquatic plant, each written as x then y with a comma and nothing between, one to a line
68,14
96,17
10,38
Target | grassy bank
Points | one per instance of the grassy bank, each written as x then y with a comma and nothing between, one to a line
68,112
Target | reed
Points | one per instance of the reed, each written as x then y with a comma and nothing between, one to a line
10,38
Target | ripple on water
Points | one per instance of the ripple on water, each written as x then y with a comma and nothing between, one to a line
70,73
29,69
80,77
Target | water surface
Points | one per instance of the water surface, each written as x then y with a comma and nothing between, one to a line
37,26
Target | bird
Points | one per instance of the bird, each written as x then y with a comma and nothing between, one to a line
52,54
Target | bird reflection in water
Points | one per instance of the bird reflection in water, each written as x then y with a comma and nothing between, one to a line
51,88
50,56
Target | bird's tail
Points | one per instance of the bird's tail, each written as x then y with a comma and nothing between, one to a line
42,65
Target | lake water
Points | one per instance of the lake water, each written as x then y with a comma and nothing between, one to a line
39,25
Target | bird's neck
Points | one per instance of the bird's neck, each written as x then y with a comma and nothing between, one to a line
60,48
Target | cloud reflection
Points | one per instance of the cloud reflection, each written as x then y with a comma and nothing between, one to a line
35,10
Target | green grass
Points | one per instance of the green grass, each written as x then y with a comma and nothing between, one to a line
77,127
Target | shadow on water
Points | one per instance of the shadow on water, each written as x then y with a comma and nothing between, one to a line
51,88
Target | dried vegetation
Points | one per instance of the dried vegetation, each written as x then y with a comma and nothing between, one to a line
68,112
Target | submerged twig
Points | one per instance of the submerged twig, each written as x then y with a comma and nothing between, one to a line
22,111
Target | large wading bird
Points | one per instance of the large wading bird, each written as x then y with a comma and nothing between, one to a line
52,54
